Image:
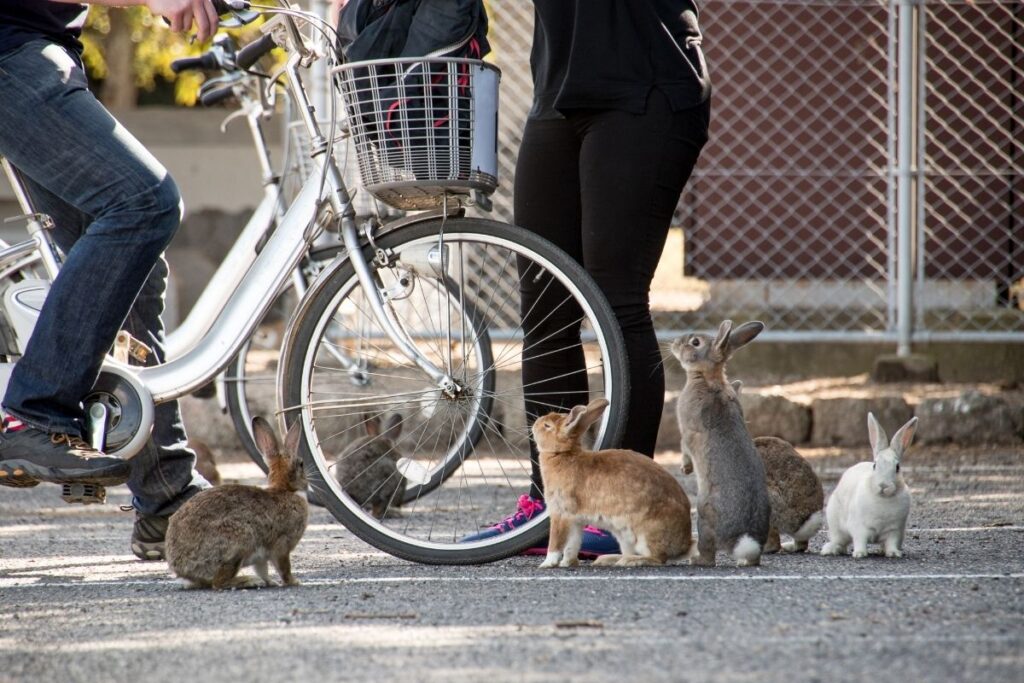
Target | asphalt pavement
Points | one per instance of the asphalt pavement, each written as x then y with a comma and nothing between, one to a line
75,605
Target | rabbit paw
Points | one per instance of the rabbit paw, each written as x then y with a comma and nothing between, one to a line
832,549
698,561
894,552
569,562
550,561
794,547
860,553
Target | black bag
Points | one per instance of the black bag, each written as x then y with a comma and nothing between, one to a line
392,29
396,29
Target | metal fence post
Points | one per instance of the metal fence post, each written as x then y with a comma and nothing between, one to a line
904,192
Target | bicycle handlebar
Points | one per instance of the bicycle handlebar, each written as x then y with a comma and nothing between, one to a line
225,6
208,99
251,53
206,61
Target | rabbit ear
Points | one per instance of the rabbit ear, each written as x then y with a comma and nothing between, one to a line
291,439
595,409
266,439
903,437
744,334
372,424
722,338
393,428
736,386
574,418
876,435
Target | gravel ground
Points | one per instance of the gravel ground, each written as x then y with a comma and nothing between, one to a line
76,605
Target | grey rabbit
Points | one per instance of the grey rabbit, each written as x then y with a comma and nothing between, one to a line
220,530
368,468
733,510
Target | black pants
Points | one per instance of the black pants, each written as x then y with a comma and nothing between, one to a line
603,185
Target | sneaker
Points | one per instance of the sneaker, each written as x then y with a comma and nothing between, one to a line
29,456
148,536
596,542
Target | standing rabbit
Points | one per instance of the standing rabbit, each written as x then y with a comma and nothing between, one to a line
220,530
871,502
627,493
733,510
794,492
368,468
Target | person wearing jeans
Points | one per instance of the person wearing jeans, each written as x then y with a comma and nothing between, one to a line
115,209
620,114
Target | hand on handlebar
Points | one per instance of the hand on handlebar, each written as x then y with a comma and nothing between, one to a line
181,14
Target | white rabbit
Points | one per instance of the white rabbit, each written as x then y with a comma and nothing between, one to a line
871,502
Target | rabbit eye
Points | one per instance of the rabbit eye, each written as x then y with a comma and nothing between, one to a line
897,467
874,465
695,343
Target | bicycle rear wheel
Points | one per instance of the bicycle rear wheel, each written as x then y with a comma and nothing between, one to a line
473,288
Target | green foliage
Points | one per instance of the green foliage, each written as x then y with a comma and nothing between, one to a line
156,47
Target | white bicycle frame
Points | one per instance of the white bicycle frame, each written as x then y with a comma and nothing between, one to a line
253,291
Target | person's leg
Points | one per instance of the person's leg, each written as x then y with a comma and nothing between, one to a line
88,171
60,136
632,170
163,474
546,199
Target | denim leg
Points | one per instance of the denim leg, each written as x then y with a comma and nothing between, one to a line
115,206
163,473
58,135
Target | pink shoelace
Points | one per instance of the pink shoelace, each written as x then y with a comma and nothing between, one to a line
526,508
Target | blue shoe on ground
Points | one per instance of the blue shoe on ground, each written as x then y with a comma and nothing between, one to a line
596,542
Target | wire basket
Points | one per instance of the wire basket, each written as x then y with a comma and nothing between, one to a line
423,129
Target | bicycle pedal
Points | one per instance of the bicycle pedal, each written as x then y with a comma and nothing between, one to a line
85,494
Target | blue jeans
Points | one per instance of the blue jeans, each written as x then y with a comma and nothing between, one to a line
116,209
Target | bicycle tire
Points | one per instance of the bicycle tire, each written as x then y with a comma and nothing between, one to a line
237,384
300,376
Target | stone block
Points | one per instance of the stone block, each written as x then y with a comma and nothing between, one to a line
844,421
969,419
913,368
776,416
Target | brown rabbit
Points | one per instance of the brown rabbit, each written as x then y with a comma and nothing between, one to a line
627,493
368,468
206,464
220,530
795,493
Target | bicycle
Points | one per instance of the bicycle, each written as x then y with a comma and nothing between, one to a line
414,296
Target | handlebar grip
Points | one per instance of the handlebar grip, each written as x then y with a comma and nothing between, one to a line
213,97
225,6
203,61
251,53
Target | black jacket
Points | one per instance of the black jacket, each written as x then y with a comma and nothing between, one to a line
610,54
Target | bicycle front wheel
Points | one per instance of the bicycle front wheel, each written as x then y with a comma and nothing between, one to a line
380,455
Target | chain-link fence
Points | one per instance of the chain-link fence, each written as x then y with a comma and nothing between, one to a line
791,216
